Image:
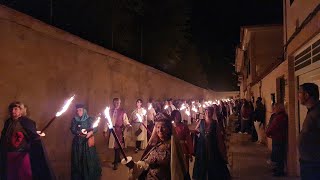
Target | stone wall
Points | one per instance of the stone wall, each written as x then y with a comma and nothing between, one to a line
42,66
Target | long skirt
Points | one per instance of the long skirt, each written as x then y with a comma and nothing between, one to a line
85,164
18,166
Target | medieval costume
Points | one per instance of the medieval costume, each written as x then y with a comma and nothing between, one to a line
183,135
138,132
150,118
186,117
119,120
161,157
210,163
85,164
22,155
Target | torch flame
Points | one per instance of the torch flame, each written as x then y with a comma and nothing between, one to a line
183,106
144,112
107,116
96,123
194,109
187,112
139,117
65,107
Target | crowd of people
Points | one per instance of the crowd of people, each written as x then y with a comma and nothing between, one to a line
161,130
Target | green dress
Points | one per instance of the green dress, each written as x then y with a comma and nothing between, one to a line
85,164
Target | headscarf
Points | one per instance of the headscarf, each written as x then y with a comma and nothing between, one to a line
84,116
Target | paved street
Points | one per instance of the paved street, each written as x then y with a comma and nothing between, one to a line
248,162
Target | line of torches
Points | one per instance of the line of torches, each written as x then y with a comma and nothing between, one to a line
110,125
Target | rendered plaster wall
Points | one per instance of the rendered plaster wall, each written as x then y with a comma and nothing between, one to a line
42,66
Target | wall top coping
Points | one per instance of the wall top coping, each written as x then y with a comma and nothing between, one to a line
19,18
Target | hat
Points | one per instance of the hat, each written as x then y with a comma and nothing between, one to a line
79,106
161,117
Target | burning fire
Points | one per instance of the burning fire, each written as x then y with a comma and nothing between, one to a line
65,106
183,106
96,123
107,116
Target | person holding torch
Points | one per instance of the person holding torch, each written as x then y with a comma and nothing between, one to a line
22,154
85,163
119,121
139,133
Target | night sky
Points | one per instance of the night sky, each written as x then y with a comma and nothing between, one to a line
194,40
216,29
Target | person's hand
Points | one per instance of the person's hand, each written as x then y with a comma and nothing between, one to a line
89,134
41,134
84,131
190,158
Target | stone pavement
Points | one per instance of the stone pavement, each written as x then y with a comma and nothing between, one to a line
248,161
122,173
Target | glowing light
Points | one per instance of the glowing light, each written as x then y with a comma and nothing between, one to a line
96,123
194,109
144,112
139,117
183,106
107,116
187,112
150,107
166,107
65,106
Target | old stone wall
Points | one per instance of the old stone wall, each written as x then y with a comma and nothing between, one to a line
42,66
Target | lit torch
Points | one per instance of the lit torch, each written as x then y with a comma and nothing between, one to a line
94,125
187,112
183,106
194,109
110,126
140,118
59,113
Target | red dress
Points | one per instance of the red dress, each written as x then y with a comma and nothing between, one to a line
184,135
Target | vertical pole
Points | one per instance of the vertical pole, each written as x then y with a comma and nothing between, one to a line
141,40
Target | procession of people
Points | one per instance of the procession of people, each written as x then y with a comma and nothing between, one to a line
172,134
160,130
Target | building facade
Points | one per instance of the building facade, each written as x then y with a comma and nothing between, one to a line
300,64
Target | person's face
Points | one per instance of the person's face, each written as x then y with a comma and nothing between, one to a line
206,114
80,112
162,130
117,104
139,104
176,118
16,112
170,102
303,96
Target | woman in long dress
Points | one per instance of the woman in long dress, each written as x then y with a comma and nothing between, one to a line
85,164
211,160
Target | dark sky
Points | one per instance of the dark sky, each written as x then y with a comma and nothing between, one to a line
214,28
